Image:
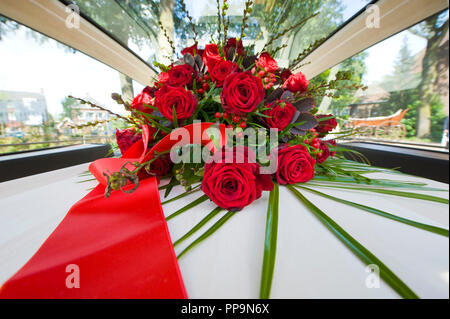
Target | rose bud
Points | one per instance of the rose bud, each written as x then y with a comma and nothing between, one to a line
296,83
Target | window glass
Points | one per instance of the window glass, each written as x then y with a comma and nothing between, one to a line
406,101
135,23
36,76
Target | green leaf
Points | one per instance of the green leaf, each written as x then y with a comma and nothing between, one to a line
174,117
381,182
205,115
433,229
195,189
359,250
210,92
158,125
270,244
170,186
325,118
163,187
288,128
152,116
196,202
255,124
208,233
261,115
200,224
389,192
87,180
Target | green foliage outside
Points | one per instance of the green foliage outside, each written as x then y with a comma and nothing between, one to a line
404,86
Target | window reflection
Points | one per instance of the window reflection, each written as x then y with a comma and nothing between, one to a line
36,76
407,98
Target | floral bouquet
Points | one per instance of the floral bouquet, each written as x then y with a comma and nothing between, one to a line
231,123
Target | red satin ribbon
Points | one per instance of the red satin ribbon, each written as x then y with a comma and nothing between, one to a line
120,245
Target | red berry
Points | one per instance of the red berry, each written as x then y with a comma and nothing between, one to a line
243,125
226,115
217,115
315,145
200,91
306,141
230,126
206,77
236,118
316,140
205,86
261,73
272,75
266,79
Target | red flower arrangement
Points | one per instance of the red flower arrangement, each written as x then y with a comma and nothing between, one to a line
225,83
241,91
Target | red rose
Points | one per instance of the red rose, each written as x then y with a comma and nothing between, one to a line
295,165
163,77
285,75
296,83
326,126
267,62
281,114
211,55
221,70
241,93
235,185
126,138
161,166
141,102
168,98
191,50
237,45
324,152
180,75
150,90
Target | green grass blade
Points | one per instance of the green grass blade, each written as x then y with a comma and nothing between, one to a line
376,184
170,186
195,189
270,244
389,192
382,182
359,250
196,202
433,229
200,224
208,233
163,187
87,180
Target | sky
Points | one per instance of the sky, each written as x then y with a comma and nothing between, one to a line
27,65
382,55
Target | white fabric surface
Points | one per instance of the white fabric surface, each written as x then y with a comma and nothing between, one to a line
310,261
